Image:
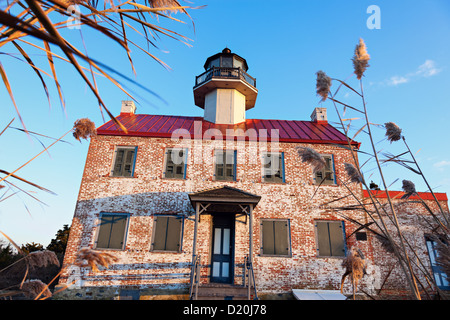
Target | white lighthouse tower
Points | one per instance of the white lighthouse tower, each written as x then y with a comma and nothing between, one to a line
225,90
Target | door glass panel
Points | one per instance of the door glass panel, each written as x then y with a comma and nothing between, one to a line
216,269
226,241
217,240
225,269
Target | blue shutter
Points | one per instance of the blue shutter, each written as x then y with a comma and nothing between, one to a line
282,167
334,169
235,165
134,161
185,163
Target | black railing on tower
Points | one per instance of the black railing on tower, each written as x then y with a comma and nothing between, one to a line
225,73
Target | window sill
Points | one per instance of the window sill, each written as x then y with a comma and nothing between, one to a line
108,249
275,255
165,251
331,257
325,185
132,177
271,182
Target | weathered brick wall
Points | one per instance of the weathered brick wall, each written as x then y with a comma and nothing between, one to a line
148,193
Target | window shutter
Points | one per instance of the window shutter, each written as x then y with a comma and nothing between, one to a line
128,162
118,162
323,239
219,165
336,238
112,230
169,165
104,231
185,162
117,232
173,234
159,239
329,176
283,174
275,234
326,175
281,237
124,162
268,237
235,165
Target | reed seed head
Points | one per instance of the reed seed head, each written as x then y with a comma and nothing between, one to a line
311,157
83,129
323,85
360,59
31,288
42,258
87,257
353,173
393,132
355,262
408,188
165,4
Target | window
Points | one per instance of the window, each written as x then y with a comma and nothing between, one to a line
275,237
124,162
176,161
442,280
225,165
227,62
330,238
112,231
273,167
167,233
326,175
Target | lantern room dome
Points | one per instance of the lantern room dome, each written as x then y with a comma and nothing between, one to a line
226,59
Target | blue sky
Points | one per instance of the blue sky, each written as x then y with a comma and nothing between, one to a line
285,44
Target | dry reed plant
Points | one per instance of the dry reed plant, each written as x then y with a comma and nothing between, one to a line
312,157
34,288
355,266
353,173
323,85
36,24
44,258
360,59
88,257
383,214
393,132
83,129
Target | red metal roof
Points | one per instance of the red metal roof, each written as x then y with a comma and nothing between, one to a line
399,194
145,125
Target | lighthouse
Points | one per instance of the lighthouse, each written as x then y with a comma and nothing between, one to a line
225,90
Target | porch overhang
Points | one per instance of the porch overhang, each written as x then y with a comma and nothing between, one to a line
223,199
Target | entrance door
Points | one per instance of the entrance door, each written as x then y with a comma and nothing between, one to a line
222,257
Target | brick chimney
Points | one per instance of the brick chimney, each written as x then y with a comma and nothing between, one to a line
128,107
319,115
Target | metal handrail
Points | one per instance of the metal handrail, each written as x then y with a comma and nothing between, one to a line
195,278
251,278
226,73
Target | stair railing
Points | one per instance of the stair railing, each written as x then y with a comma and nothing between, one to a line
250,276
195,278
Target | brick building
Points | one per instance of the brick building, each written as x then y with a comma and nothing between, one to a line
220,199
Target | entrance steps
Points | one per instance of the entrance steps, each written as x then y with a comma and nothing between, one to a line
218,291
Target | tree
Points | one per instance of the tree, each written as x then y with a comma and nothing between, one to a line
58,244
31,247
